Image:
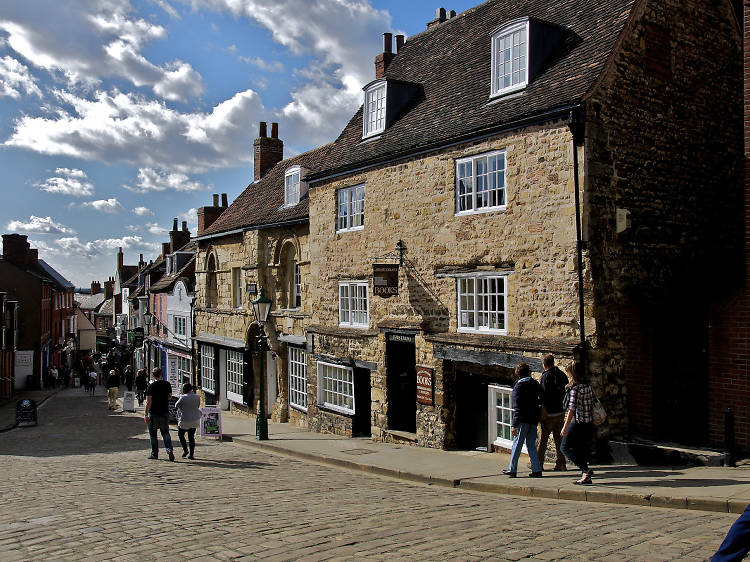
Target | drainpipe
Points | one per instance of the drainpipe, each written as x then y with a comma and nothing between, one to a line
577,124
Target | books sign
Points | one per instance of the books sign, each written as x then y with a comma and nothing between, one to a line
424,385
384,279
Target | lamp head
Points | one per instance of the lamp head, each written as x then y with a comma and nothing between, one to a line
261,307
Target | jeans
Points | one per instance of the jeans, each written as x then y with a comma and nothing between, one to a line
737,542
576,445
191,439
160,421
553,425
526,434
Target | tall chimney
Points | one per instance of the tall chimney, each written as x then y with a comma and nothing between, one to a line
208,215
33,258
267,151
164,248
174,224
119,258
399,43
96,287
178,238
440,17
108,288
184,225
384,59
16,249
216,199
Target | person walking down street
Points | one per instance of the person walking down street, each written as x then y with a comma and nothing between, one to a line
129,378
578,429
141,382
157,413
526,413
188,418
736,544
92,382
113,384
53,376
553,383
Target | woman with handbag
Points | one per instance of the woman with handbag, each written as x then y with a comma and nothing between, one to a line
578,428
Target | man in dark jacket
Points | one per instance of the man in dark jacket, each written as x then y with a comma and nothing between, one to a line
553,383
526,413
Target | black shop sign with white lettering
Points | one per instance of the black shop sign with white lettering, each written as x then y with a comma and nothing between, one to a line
26,414
384,279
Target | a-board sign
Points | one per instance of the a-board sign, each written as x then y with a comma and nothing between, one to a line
26,413
424,385
384,279
211,422
128,401
173,409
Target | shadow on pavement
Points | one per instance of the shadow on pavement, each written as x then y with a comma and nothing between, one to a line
226,463
673,482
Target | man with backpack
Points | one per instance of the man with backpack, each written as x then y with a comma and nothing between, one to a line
553,383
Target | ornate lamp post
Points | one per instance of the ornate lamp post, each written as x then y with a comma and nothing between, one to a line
261,308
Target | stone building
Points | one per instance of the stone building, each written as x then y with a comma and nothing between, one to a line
546,178
260,241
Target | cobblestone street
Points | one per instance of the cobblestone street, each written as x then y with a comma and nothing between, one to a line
79,486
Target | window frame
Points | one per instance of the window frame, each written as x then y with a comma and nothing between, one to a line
474,181
208,369
353,299
322,366
294,170
501,34
234,367
237,287
296,285
351,201
494,437
476,329
184,368
180,325
376,88
297,371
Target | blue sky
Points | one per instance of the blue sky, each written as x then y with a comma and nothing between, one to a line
118,115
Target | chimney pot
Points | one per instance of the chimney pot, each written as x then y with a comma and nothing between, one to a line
274,130
224,200
387,42
174,224
440,14
399,43
216,199
263,131
184,226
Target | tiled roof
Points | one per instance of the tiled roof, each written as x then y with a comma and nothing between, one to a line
451,64
89,302
108,308
167,281
261,202
61,281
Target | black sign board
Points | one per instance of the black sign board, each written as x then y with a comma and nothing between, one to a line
26,414
173,409
384,279
251,288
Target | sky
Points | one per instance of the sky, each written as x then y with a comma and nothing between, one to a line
117,116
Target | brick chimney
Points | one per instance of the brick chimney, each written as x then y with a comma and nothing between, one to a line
178,238
208,215
33,258
109,286
267,151
164,248
440,17
16,249
399,43
384,59
96,287
119,259
141,263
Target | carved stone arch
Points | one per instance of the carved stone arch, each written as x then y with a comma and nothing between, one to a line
211,253
287,238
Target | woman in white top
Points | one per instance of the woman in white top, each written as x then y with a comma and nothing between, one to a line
188,418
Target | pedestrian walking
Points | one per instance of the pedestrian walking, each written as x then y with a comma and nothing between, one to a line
129,378
553,384
578,429
157,413
141,382
526,413
113,384
92,383
188,418
53,376
736,544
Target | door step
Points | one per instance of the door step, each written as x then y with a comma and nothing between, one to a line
402,435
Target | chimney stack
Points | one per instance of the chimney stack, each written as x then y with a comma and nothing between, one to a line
33,256
119,258
184,225
208,215
224,198
16,249
216,199
178,238
440,17
267,151
399,43
384,59
164,249
108,288
141,263
96,287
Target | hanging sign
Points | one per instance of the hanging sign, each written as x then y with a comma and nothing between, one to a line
384,279
424,385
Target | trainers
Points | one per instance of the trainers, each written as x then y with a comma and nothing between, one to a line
191,457
171,455
509,473
153,457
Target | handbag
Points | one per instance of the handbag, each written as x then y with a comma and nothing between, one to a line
599,413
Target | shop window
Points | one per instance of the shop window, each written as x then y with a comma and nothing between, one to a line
336,387
234,376
184,369
297,378
208,382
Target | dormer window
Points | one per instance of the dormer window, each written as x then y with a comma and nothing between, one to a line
291,186
510,58
374,110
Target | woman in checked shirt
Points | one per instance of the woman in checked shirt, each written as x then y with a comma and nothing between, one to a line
578,429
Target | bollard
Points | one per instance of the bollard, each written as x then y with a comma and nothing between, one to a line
729,456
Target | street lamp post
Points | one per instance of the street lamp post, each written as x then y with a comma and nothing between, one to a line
261,308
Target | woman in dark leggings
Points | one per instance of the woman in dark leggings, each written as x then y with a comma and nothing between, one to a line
188,418
578,429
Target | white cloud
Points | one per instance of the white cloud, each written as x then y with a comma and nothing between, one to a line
68,182
154,228
124,127
272,66
132,227
109,41
167,8
111,205
72,246
143,211
154,180
191,216
15,78
40,225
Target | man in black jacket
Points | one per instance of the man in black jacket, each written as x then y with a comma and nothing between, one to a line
526,413
553,383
